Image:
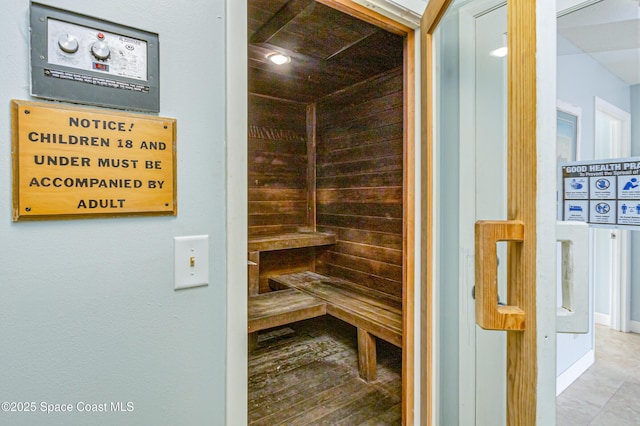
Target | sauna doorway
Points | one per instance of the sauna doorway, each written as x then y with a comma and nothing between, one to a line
330,210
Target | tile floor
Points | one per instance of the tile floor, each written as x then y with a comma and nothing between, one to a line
608,393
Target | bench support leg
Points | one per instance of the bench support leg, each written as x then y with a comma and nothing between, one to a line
254,289
366,355
253,341
254,273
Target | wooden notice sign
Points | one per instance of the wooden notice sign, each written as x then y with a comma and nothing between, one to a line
71,162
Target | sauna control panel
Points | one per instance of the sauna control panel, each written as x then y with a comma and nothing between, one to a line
88,49
82,59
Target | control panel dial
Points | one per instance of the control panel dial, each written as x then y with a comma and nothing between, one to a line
100,50
68,43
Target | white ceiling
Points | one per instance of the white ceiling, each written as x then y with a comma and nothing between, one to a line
609,31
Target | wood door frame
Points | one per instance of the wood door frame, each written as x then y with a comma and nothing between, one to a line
431,18
408,223
522,346
236,130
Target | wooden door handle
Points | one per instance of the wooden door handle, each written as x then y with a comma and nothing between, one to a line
490,315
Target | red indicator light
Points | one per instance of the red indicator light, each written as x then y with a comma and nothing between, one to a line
101,36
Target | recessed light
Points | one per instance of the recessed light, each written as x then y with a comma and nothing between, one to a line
500,52
278,58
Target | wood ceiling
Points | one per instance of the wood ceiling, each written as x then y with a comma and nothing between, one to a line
329,50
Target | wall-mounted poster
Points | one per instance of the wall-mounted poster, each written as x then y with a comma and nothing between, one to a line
72,162
603,193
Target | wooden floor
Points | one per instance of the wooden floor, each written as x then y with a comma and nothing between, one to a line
306,373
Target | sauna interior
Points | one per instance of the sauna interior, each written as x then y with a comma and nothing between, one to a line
325,175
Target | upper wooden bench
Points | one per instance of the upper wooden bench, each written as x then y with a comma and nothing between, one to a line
281,241
289,240
372,312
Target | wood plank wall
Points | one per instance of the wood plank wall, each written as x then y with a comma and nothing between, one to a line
277,165
359,182
277,150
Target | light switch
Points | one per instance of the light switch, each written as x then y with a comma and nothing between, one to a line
191,261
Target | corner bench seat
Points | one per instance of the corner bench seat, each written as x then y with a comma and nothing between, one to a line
277,308
372,312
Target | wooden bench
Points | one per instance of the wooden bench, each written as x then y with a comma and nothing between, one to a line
277,308
281,241
373,313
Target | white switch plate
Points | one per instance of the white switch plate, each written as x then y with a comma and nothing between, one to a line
191,261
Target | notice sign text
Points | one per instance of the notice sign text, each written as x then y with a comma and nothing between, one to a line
75,162
604,193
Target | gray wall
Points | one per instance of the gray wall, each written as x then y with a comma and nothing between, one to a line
635,236
580,80
87,307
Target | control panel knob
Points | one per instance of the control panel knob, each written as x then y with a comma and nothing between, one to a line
100,50
68,43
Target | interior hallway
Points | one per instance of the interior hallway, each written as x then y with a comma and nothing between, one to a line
608,393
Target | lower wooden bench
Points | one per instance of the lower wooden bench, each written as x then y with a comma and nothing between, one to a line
282,307
373,313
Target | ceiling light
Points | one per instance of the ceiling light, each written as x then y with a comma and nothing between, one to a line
500,52
278,58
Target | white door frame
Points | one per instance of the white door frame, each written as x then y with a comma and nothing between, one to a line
620,290
236,202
